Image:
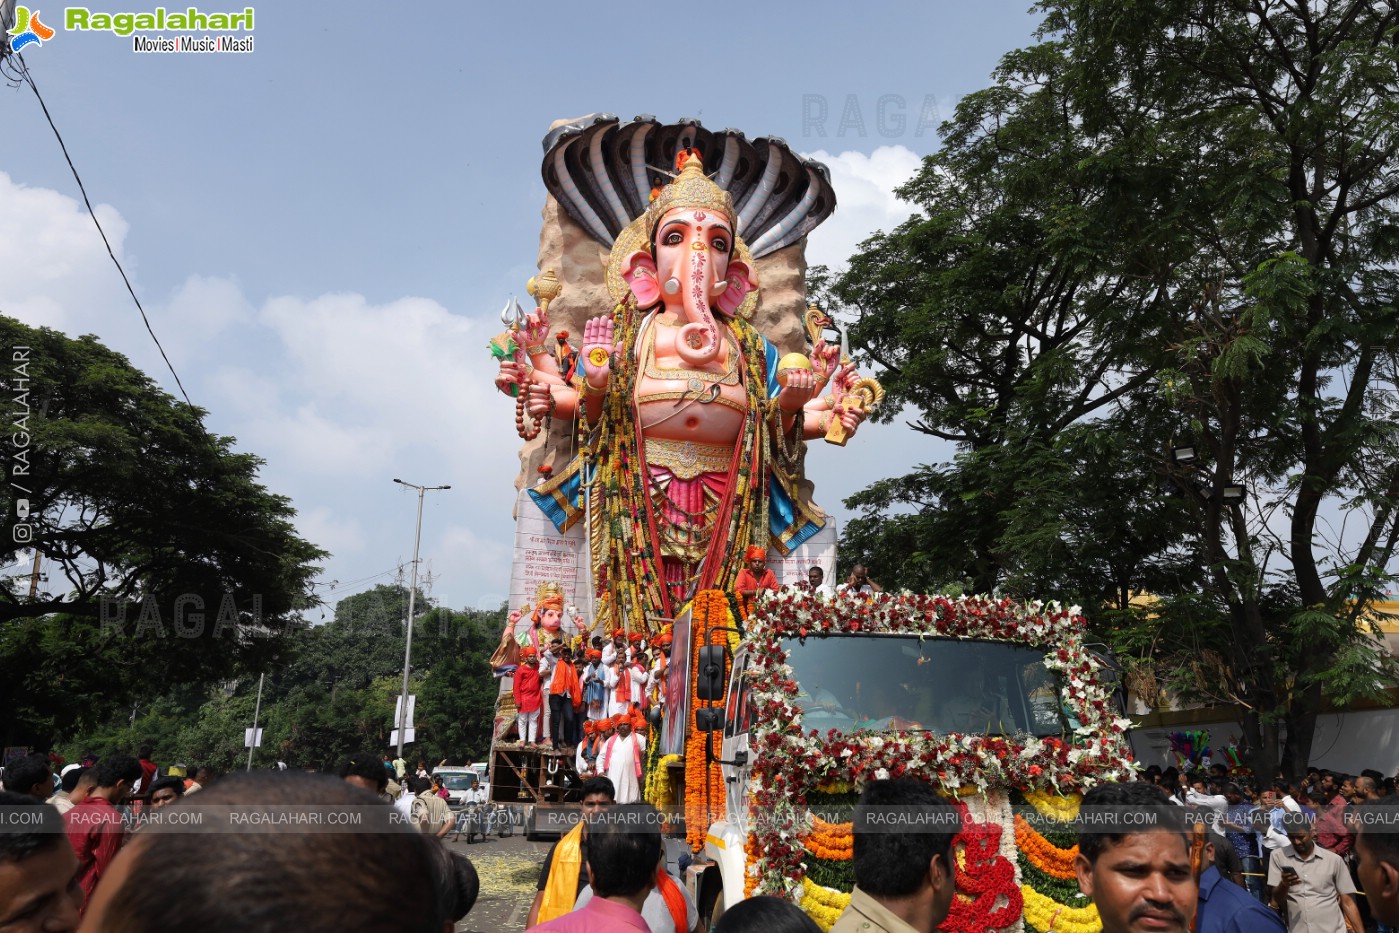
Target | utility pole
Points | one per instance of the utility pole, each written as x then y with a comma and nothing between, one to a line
257,710
412,595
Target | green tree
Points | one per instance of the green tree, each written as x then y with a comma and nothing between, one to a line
1284,378
456,705
1023,301
1164,225
334,696
159,557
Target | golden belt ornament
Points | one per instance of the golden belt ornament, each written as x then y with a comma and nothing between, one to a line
686,459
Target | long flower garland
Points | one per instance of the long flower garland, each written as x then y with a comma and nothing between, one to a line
1046,858
704,781
789,763
831,840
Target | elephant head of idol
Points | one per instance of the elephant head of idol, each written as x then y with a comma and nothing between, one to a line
693,265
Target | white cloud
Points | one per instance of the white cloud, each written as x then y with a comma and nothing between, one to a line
865,200
193,324
58,273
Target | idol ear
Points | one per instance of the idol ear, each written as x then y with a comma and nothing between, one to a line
741,282
639,271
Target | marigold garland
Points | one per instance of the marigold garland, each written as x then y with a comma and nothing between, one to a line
822,904
1042,853
750,869
1062,808
659,791
1045,914
833,841
704,781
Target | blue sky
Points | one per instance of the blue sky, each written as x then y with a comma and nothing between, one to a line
323,231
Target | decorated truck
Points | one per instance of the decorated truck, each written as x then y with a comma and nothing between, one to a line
787,714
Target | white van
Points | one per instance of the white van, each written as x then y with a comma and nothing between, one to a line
457,779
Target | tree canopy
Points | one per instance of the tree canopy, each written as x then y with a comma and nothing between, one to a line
334,695
143,548
1163,226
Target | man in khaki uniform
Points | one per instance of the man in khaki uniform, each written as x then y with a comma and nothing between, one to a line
430,812
1313,883
903,880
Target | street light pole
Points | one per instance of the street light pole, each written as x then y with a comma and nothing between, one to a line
412,596
257,711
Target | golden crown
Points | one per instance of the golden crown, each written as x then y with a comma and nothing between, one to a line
549,595
691,190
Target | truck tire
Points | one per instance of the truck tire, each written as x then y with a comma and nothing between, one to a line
712,906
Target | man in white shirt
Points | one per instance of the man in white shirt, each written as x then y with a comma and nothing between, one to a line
816,583
616,648
626,685
404,803
478,821
1199,796
1275,808
620,759
860,582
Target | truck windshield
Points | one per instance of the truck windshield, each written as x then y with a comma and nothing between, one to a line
896,683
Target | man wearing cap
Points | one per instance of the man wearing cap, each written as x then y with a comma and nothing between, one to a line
620,760
583,758
616,648
754,578
528,695
593,679
565,699
626,685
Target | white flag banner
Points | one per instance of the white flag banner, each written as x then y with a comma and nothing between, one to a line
407,737
250,740
398,711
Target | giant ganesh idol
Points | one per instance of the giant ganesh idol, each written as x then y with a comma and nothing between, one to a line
678,432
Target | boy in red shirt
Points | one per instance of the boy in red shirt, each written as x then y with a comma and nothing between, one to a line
527,694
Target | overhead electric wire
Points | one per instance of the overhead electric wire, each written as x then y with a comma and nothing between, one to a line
23,71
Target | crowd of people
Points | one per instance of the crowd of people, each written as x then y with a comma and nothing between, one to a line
95,844
1289,841
1294,856
601,715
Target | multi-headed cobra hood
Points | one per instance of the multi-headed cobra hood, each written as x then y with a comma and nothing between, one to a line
602,171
